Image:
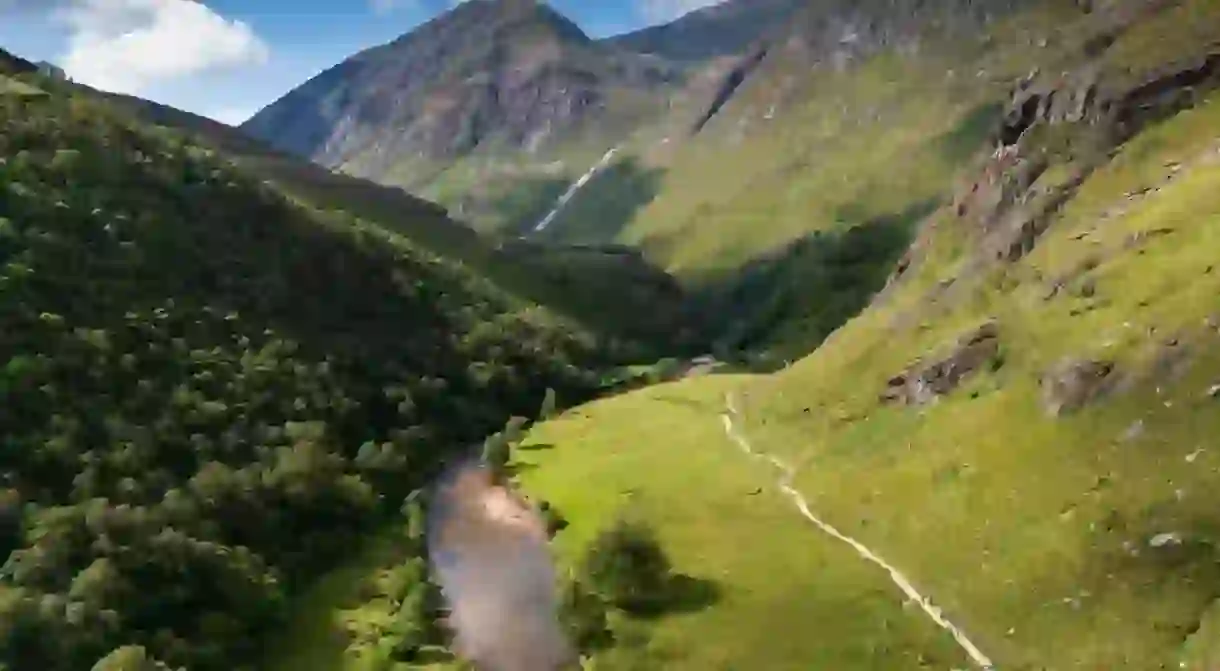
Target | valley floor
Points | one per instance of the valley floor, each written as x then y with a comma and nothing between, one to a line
777,595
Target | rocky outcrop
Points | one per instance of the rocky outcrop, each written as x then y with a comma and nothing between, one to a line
923,383
1162,93
1017,231
1069,98
1112,102
1072,384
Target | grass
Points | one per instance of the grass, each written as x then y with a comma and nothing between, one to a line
788,598
1042,525
10,86
842,148
1035,534
1183,29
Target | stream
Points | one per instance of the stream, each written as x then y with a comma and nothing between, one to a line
574,189
489,550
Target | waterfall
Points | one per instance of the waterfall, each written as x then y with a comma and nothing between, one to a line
572,190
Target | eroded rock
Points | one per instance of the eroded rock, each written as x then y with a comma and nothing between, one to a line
923,383
1073,384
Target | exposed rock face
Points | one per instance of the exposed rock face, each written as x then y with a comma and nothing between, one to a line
923,383
1008,202
1120,107
1071,98
1073,384
506,73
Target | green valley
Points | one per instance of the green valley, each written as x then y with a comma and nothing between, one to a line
884,336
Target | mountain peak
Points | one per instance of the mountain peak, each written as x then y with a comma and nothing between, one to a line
509,73
499,19
13,63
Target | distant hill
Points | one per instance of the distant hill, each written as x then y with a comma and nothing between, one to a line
14,64
725,29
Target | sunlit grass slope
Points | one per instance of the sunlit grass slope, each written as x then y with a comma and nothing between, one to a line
786,596
1043,532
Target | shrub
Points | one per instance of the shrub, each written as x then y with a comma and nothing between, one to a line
626,565
555,521
583,614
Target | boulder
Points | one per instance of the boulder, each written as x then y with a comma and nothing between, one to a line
1072,384
923,383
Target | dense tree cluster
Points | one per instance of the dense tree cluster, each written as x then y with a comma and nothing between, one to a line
627,566
206,391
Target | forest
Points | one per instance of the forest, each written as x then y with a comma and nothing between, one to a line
209,392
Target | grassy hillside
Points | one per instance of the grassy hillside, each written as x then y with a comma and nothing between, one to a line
812,143
761,589
585,293
209,392
1024,421
1045,526
1078,541
798,144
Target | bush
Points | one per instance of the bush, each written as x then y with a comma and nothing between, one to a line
583,614
555,521
626,565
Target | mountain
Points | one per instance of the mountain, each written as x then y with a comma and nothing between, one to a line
724,29
490,75
11,64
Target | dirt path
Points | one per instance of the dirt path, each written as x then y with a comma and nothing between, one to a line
730,417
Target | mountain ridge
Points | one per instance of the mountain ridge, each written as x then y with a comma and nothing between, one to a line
490,72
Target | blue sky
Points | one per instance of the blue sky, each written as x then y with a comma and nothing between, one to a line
227,58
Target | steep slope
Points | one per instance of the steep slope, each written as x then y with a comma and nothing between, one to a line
209,393
856,117
10,64
1023,422
723,29
584,284
488,76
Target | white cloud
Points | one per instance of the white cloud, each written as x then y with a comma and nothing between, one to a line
129,45
662,11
